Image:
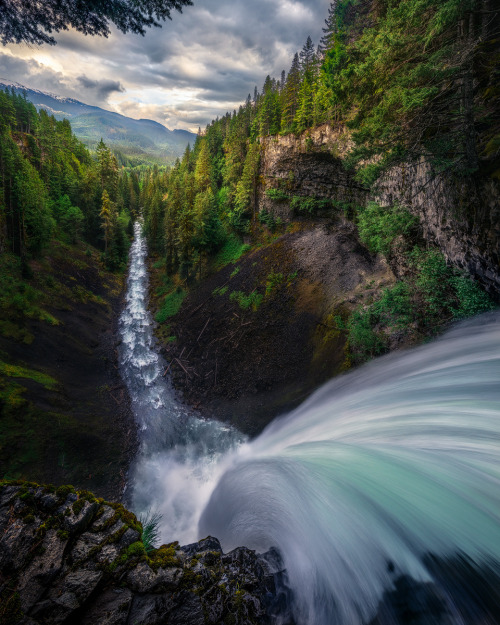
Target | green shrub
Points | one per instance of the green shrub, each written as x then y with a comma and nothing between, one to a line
364,342
309,205
379,226
253,299
171,305
221,290
432,284
232,251
277,195
471,299
395,307
430,296
273,280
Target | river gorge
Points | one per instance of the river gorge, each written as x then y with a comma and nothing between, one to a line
388,473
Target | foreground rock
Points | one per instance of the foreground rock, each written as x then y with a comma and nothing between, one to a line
67,557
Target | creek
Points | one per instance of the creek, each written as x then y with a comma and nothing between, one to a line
378,473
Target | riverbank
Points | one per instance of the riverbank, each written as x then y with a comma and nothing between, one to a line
65,410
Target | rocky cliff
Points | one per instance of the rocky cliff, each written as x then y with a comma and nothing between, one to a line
67,557
460,216
308,165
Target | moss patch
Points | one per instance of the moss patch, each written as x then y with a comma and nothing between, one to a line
13,371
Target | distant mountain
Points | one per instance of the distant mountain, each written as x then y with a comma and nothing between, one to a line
142,138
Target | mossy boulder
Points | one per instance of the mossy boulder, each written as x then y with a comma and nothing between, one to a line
68,557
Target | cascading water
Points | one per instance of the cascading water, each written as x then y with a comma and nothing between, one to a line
179,455
377,470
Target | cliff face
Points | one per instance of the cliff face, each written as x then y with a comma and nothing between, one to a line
308,165
462,217
66,557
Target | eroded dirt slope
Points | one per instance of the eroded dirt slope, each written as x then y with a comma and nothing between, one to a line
257,337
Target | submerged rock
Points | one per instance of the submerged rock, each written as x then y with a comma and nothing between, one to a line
67,557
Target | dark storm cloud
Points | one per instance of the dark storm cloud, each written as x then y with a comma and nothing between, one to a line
102,88
216,52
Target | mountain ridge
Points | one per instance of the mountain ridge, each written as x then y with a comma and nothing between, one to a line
143,138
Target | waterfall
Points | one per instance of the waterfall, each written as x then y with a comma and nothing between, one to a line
180,455
376,475
377,470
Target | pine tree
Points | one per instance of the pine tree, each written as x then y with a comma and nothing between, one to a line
329,31
307,57
107,168
29,22
109,217
291,95
246,189
203,169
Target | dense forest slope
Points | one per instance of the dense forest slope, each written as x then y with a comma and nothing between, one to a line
388,131
64,217
64,409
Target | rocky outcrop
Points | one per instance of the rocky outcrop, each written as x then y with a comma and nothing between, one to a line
66,557
460,216
309,165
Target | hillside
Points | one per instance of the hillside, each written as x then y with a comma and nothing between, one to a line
134,137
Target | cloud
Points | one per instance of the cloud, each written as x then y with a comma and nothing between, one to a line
102,88
192,70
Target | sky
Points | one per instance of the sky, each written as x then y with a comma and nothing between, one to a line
198,66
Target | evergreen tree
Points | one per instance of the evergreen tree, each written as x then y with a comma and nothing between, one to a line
291,95
109,217
306,57
24,21
107,167
329,30
203,169
246,191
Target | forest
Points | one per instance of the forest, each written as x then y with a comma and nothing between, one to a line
397,79
400,79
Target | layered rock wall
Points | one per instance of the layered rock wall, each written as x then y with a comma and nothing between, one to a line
309,165
460,216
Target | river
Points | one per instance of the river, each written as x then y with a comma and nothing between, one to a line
375,472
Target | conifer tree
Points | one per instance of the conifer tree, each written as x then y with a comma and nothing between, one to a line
24,21
307,57
203,169
329,30
291,95
109,217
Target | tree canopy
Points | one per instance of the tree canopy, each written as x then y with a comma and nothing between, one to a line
25,21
